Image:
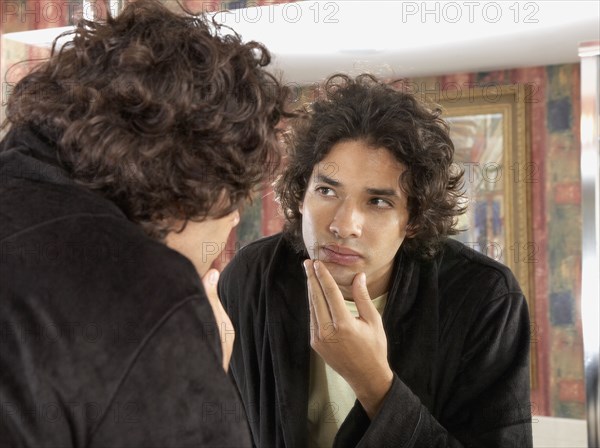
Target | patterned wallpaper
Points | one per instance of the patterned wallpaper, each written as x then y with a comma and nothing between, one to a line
556,215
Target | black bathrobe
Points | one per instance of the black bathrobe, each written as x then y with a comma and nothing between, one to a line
106,336
458,342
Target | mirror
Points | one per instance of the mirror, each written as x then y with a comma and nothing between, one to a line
488,126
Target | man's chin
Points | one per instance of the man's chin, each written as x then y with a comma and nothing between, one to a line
343,275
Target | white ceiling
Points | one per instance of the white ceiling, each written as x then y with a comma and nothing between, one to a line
312,39
402,38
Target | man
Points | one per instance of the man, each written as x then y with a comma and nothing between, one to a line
362,324
129,152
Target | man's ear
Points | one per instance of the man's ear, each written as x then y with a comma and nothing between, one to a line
410,231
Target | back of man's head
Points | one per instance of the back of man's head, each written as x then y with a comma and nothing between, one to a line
160,112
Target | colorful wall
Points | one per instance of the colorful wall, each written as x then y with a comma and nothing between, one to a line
556,216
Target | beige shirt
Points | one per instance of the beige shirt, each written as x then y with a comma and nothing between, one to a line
330,398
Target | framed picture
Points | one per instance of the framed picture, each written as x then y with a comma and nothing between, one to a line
488,127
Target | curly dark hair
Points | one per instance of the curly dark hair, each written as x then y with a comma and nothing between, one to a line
369,110
163,113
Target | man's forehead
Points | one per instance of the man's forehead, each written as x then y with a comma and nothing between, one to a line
329,161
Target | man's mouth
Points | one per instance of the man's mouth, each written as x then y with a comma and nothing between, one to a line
340,255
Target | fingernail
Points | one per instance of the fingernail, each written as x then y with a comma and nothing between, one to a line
214,277
316,263
363,279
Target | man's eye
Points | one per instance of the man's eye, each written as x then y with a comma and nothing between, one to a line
381,203
325,191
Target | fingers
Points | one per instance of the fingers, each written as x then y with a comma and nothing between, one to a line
362,299
315,296
322,326
331,293
322,323
314,326
326,303
210,280
226,331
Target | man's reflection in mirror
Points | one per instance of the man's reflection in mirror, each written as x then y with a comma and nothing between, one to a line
362,323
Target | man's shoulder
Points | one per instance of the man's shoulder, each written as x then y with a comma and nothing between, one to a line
266,243
269,262
96,274
31,204
258,254
99,252
464,265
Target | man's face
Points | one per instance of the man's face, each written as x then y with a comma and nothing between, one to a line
354,214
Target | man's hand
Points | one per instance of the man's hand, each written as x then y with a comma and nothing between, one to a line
226,330
355,347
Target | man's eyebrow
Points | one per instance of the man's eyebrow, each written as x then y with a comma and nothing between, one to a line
327,180
382,192
372,191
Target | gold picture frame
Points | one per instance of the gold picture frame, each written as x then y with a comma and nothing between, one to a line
488,126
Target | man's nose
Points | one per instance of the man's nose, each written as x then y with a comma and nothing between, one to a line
347,221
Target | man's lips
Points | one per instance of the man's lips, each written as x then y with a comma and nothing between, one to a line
341,250
340,255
